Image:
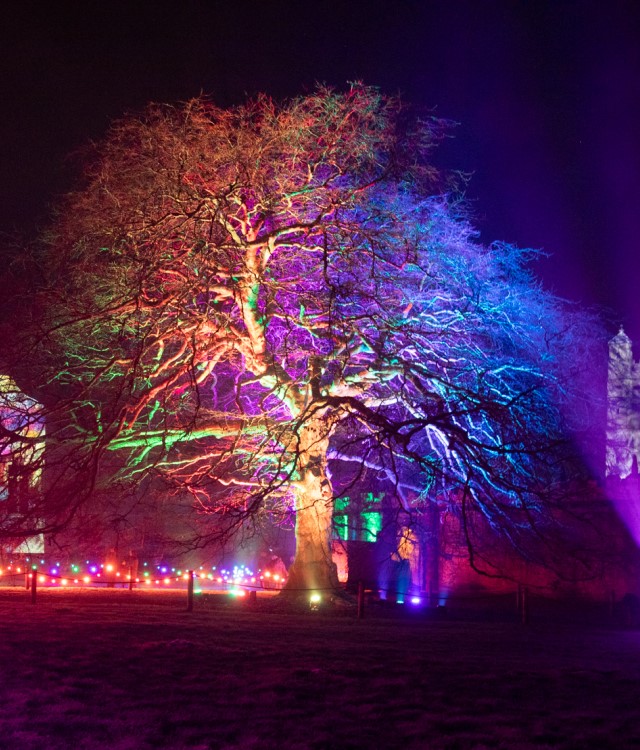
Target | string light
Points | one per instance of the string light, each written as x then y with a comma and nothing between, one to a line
235,579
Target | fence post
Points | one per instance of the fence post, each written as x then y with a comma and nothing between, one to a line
133,570
524,606
190,591
27,580
360,600
34,585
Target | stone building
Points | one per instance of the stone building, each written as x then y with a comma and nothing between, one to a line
623,409
597,559
623,433
22,436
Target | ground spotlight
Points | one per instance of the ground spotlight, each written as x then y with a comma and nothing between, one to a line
314,600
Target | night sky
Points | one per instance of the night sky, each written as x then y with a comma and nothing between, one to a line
546,94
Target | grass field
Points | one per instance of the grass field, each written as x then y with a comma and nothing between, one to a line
126,670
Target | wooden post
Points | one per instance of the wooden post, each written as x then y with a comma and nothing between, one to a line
360,600
27,580
190,591
133,570
524,605
34,585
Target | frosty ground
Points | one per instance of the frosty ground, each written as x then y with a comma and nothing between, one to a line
127,670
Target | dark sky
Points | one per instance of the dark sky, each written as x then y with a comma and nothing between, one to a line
546,94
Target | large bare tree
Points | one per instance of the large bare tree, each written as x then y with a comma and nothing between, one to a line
244,301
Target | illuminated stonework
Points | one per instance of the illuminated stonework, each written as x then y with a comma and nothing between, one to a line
21,459
623,408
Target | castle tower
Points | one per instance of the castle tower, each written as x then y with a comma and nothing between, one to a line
623,408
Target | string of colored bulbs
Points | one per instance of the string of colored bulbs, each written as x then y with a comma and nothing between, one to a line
162,575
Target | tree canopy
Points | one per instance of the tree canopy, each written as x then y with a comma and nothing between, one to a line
260,304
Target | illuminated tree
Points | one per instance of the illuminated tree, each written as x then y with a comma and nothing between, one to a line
258,303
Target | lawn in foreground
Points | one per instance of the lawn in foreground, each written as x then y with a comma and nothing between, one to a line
126,670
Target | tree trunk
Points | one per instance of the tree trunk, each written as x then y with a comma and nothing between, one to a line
313,568
433,556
